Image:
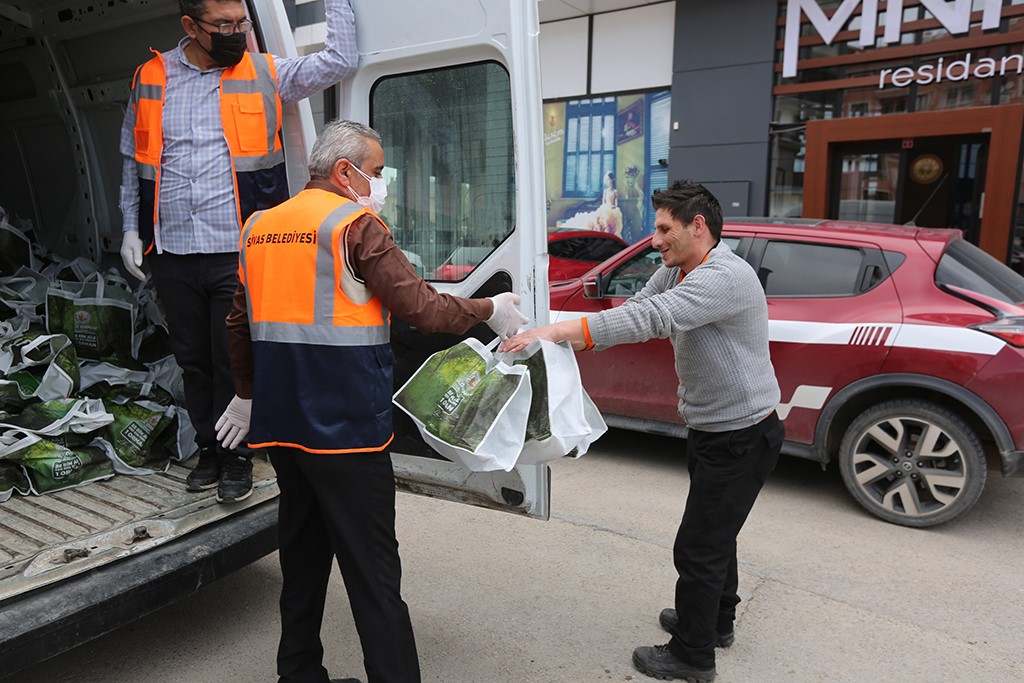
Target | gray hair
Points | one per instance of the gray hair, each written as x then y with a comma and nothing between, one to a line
340,139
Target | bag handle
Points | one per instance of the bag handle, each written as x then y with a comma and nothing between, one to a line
98,277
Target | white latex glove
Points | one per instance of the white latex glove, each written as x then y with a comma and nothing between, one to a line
131,253
506,319
233,425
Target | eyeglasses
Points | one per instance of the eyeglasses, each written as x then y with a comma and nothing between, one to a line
243,26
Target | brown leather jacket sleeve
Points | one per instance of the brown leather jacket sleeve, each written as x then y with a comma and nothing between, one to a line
380,263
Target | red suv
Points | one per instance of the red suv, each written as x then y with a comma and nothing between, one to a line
899,352
571,253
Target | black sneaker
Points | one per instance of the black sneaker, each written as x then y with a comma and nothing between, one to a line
206,473
669,619
345,680
236,481
660,663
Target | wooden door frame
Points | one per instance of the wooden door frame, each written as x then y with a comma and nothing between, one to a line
1003,124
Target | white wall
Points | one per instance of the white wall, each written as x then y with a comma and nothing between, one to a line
563,57
631,50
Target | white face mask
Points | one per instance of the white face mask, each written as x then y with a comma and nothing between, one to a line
378,193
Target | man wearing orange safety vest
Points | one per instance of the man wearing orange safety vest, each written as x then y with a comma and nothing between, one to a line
309,332
201,142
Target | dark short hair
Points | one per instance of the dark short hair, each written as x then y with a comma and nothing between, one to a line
192,8
197,8
685,199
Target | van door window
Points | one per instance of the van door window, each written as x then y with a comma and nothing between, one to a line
449,152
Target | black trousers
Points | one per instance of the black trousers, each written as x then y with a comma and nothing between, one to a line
343,506
196,291
727,471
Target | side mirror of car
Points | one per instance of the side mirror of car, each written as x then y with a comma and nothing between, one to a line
593,286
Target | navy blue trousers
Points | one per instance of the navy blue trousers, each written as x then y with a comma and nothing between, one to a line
341,506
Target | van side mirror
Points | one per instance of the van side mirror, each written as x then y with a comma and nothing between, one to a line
593,286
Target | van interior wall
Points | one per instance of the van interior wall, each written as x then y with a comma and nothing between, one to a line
67,68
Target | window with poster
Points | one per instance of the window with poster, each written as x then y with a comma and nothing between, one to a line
604,156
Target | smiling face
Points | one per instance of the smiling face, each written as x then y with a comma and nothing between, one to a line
682,246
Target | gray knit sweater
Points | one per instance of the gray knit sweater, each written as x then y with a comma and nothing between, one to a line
717,321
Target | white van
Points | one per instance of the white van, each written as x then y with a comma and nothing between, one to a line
453,86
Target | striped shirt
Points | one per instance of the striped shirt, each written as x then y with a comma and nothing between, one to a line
198,213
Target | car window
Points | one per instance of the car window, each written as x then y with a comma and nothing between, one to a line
593,249
812,270
966,266
450,164
631,276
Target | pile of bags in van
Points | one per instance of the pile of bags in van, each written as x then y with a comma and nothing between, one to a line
88,385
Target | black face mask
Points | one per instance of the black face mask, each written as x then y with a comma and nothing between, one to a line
224,50
227,50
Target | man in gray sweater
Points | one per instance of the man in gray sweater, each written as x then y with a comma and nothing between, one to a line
709,303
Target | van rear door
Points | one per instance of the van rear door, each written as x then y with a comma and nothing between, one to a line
452,87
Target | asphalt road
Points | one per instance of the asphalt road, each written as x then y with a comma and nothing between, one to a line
830,593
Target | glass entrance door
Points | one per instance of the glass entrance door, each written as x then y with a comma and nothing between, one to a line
867,180
930,182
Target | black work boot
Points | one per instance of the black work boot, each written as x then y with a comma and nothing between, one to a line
660,663
236,479
669,619
206,473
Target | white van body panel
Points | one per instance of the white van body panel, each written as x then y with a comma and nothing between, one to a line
68,66
396,37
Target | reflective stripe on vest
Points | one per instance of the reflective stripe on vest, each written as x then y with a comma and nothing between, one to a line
250,109
323,362
298,315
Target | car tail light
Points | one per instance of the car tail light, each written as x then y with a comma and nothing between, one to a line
1010,330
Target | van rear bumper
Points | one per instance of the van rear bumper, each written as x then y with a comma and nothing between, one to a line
58,617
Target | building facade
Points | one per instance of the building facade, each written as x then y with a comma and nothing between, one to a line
897,111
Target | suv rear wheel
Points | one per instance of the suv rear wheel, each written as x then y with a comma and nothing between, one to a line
912,463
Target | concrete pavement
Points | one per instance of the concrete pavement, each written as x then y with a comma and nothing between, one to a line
830,593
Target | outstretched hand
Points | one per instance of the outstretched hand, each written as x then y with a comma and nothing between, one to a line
518,342
506,318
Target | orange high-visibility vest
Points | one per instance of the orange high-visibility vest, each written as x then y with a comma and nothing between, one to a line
250,110
321,341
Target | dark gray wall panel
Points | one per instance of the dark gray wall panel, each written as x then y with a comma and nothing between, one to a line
718,33
727,105
722,94
725,163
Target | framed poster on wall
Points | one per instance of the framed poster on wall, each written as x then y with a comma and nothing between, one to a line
629,125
